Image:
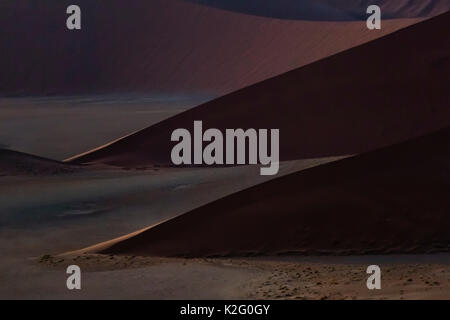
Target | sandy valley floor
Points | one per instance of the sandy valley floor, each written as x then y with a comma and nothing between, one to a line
403,277
43,217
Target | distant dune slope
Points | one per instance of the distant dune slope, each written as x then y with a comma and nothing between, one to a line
331,10
374,95
157,46
19,163
390,200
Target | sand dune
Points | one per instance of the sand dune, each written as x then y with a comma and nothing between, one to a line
374,95
391,200
18,163
331,10
158,46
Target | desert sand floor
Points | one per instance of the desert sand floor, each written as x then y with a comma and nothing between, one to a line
59,213
42,217
122,277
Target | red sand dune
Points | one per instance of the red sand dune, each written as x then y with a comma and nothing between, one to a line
158,46
383,92
331,10
390,200
19,163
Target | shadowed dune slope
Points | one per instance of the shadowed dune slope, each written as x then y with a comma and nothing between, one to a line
383,92
19,163
157,46
331,10
390,200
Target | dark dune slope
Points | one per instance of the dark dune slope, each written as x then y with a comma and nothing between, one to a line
157,47
391,200
331,10
374,95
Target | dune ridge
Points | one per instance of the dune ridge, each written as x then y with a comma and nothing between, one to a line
19,163
386,201
374,95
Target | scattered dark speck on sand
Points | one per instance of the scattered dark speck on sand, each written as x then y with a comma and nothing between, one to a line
45,257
